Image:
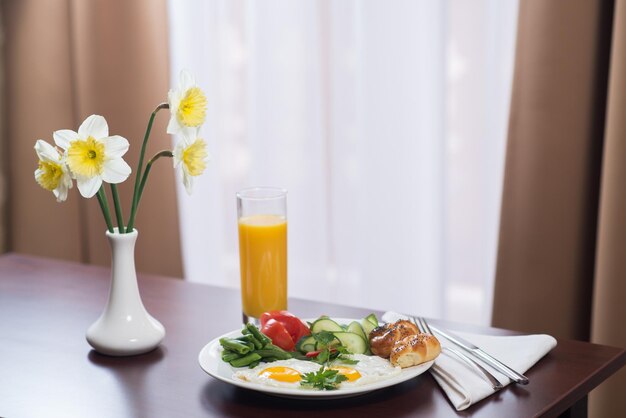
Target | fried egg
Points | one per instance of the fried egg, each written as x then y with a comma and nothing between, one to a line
288,373
368,370
281,373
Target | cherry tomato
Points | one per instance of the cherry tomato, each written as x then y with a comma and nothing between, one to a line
304,330
278,334
317,352
266,316
294,326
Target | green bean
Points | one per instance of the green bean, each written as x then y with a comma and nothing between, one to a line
229,356
236,346
250,339
246,360
299,356
271,346
254,364
245,330
279,355
258,334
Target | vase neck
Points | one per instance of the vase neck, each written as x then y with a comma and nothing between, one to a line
124,289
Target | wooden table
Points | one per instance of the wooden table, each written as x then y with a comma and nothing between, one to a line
48,369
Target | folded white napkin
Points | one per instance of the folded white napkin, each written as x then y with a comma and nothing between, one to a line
463,385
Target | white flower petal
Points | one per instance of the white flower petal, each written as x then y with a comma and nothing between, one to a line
47,152
188,182
190,134
88,187
182,144
115,146
64,186
60,193
187,80
178,151
115,171
67,178
173,99
63,138
95,126
173,127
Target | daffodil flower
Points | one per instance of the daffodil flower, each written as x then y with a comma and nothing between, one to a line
52,173
93,156
187,104
191,156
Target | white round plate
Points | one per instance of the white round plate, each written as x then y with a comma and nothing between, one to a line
210,359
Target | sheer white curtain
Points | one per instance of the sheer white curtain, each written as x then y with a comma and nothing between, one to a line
386,121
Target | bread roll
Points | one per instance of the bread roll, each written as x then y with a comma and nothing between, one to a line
383,338
414,349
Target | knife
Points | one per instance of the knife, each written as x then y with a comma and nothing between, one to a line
473,349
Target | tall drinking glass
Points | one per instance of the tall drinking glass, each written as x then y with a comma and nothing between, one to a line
262,219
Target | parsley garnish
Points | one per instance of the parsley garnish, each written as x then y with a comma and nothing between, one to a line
323,379
346,359
331,349
324,337
342,355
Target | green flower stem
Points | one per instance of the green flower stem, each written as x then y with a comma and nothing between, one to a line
133,210
144,179
166,153
104,205
118,209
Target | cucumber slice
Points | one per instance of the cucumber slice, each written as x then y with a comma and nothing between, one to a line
372,318
306,344
356,328
353,342
367,327
325,324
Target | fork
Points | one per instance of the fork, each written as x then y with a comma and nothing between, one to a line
422,325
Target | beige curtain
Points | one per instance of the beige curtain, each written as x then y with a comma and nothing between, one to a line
66,60
3,154
562,250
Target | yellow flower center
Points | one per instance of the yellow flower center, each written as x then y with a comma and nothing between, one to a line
86,157
192,108
194,157
50,175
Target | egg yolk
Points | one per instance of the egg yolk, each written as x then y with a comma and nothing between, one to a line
282,374
348,372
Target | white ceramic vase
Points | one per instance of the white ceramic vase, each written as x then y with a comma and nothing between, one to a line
125,328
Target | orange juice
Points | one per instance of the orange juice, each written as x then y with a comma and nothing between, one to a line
263,259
